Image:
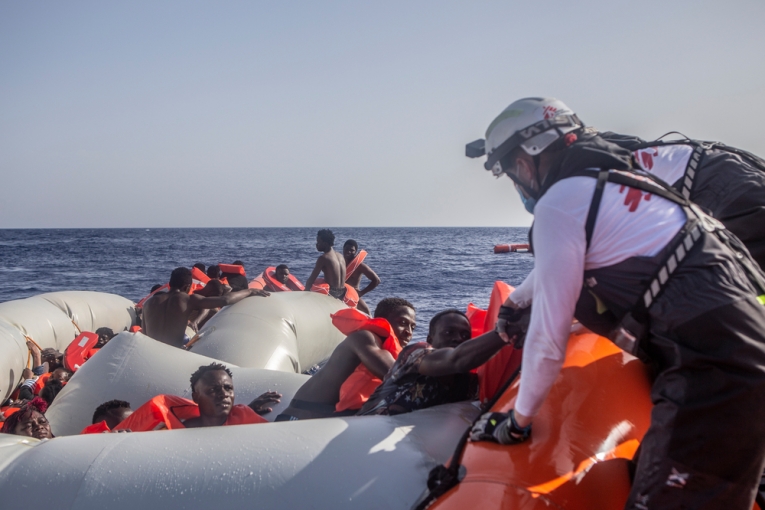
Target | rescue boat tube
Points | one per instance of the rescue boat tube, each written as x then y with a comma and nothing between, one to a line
136,368
586,431
287,331
53,320
507,248
379,462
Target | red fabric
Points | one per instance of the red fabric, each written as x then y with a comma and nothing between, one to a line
91,353
360,385
7,411
477,318
199,276
494,373
135,329
169,412
96,428
75,354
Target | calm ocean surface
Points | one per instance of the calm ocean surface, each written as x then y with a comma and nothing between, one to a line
434,268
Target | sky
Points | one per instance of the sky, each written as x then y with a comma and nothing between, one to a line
339,114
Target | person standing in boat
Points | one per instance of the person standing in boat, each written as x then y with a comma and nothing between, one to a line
634,260
166,314
355,268
331,264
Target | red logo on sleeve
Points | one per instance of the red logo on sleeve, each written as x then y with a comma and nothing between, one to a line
633,197
645,157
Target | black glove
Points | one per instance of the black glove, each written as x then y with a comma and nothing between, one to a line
514,322
499,428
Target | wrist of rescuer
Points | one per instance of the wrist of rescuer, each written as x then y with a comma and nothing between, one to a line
514,322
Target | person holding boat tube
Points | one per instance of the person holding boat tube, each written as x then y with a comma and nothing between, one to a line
633,259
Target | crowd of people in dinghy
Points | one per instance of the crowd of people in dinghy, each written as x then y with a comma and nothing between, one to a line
374,370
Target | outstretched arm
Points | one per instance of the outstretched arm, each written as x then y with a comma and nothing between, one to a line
197,302
463,358
314,274
374,280
365,345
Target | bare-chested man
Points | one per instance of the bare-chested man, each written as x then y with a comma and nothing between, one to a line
318,397
166,314
331,263
350,250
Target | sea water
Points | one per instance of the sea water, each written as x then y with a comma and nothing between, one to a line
434,268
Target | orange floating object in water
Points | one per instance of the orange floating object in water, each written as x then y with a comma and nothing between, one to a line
506,248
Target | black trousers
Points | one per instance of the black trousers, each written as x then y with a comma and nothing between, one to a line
705,448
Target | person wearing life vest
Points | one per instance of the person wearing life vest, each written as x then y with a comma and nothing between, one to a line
166,315
365,348
107,416
728,183
437,371
29,421
212,405
634,260
355,268
330,263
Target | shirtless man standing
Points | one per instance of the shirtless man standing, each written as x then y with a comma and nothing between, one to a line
330,263
166,314
350,249
320,394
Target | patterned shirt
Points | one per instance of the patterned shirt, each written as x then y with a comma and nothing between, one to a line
405,389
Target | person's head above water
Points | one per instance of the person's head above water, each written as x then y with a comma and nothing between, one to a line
449,328
400,314
325,240
199,266
155,287
214,288
180,278
212,389
112,412
213,271
29,421
237,263
282,273
350,248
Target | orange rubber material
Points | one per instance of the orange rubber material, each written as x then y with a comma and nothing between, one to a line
588,428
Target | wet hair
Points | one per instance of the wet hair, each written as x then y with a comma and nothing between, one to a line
238,263
389,305
104,409
36,404
213,271
155,287
281,267
437,317
351,242
237,282
327,236
199,266
51,389
212,367
180,277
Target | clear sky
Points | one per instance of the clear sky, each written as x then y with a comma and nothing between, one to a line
319,113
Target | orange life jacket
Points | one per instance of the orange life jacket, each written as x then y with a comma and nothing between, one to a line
169,412
274,285
40,383
354,264
198,279
76,353
135,329
360,385
351,297
96,428
8,411
493,373
232,269
163,288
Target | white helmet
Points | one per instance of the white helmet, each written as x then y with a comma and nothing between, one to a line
532,123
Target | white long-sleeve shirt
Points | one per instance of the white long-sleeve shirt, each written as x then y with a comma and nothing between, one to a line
630,223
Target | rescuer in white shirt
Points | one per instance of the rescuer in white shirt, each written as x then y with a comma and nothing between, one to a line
634,260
